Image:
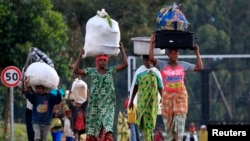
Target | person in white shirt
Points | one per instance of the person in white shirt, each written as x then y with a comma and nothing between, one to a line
67,131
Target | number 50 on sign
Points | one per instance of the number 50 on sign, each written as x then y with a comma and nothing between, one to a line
10,76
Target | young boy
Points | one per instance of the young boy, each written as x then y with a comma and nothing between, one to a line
43,104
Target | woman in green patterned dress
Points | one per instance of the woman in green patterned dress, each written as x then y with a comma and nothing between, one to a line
102,100
148,84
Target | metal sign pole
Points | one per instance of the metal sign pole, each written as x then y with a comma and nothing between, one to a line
10,77
11,115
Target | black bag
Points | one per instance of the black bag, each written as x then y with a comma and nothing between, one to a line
174,39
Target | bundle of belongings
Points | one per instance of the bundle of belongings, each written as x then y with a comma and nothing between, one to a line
102,35
171,18
172,28
39,70
40,73
79,91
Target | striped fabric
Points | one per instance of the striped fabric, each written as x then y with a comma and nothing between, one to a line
178,127
36,55
173,104
39,56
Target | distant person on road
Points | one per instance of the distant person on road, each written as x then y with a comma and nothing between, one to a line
67,130
158,134
57,124
192,133
78,110
203,133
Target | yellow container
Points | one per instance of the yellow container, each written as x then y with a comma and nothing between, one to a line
131,114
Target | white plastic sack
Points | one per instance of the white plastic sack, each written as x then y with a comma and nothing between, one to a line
102,35
35,55
79,91
39,73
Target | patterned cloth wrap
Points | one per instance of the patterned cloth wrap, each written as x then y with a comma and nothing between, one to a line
39,56
171,18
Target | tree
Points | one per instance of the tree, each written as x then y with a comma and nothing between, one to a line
32,23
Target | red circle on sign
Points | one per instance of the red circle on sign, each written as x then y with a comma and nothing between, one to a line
7,76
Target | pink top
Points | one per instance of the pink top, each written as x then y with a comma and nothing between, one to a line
173,78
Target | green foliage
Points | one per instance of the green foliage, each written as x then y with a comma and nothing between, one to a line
213,41
31,23
27,24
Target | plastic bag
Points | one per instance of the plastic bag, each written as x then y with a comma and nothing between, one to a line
79,91
171,18
39,73
102,35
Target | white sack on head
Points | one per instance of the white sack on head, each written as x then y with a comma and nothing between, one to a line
102,35
39,73
35,55
79,91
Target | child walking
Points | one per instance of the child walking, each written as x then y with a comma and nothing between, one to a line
43,105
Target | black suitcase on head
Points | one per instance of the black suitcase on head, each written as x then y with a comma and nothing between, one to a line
174,39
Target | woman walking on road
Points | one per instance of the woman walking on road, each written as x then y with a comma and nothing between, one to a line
175,96
102,100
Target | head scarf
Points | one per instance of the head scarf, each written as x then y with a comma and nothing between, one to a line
103,56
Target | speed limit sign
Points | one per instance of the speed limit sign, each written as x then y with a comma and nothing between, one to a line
10,76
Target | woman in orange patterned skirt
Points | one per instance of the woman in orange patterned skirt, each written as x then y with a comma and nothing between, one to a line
175,96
